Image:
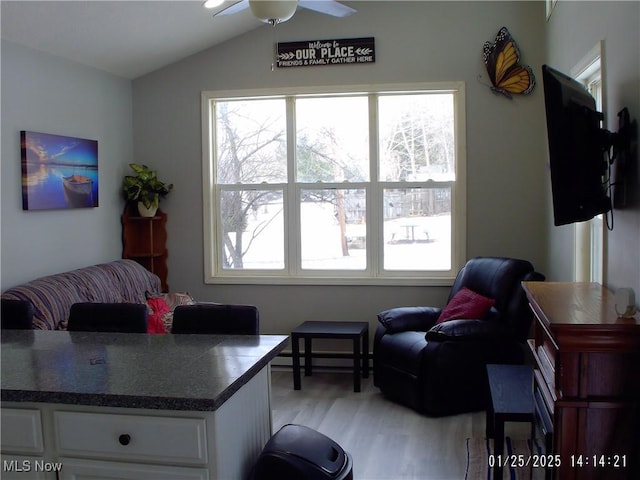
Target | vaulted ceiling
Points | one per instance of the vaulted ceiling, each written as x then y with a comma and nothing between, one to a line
126,38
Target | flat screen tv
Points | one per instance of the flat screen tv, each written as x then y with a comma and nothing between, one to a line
577,147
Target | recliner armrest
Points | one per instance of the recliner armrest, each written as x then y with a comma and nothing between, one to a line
404,319
465,330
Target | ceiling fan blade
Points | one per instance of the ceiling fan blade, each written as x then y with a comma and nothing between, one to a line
235,8
328,7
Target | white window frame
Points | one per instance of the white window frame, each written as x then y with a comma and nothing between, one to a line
374,275
589,236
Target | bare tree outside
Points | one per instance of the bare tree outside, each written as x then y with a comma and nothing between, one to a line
251,150
332,147
416,137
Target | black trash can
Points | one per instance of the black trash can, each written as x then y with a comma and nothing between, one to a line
296,452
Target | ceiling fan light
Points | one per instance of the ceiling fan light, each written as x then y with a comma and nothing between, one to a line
212,3
279,10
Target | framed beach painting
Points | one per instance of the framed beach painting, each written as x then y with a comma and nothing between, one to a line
58,172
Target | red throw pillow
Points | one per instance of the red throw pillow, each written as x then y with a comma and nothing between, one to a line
158,307
466,304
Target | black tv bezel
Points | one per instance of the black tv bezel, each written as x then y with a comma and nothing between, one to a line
576,149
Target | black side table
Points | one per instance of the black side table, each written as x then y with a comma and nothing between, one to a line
511,389
358,332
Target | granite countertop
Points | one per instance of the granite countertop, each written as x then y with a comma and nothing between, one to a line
132,370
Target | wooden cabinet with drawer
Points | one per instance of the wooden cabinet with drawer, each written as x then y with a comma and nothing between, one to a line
87,444
588,375
152,439
60,441
202,411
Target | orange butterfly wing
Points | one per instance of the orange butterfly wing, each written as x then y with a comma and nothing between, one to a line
507,57
518,80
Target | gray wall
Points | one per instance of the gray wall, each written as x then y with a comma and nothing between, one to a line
415,42
572,31
47,94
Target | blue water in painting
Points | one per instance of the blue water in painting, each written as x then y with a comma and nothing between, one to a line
45,190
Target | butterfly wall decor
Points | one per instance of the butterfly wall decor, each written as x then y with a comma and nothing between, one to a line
506,74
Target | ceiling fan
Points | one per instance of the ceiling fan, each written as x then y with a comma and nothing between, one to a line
278,11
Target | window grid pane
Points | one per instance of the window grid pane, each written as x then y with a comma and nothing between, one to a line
416,137
337,222
332,139
417,228
333,229
252,229
251,141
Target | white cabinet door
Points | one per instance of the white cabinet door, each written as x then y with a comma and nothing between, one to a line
76,469
21,430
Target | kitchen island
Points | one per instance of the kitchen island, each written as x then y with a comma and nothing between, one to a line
85,405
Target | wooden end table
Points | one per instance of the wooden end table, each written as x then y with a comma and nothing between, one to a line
358,332
511,389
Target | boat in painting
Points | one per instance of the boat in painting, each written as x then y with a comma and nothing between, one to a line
78,191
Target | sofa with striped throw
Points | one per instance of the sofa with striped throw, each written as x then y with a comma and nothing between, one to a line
120,281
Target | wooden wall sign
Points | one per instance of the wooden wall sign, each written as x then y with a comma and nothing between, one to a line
345,51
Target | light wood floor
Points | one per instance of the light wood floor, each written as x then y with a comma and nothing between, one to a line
387,441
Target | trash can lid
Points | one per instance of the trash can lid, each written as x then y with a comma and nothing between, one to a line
309,445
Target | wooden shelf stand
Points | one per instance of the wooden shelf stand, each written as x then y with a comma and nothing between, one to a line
144,240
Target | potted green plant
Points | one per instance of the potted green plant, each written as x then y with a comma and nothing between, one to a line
145,189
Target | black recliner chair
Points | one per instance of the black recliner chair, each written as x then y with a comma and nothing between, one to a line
440,368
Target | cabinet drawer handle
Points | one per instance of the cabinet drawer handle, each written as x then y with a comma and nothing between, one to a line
124,439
